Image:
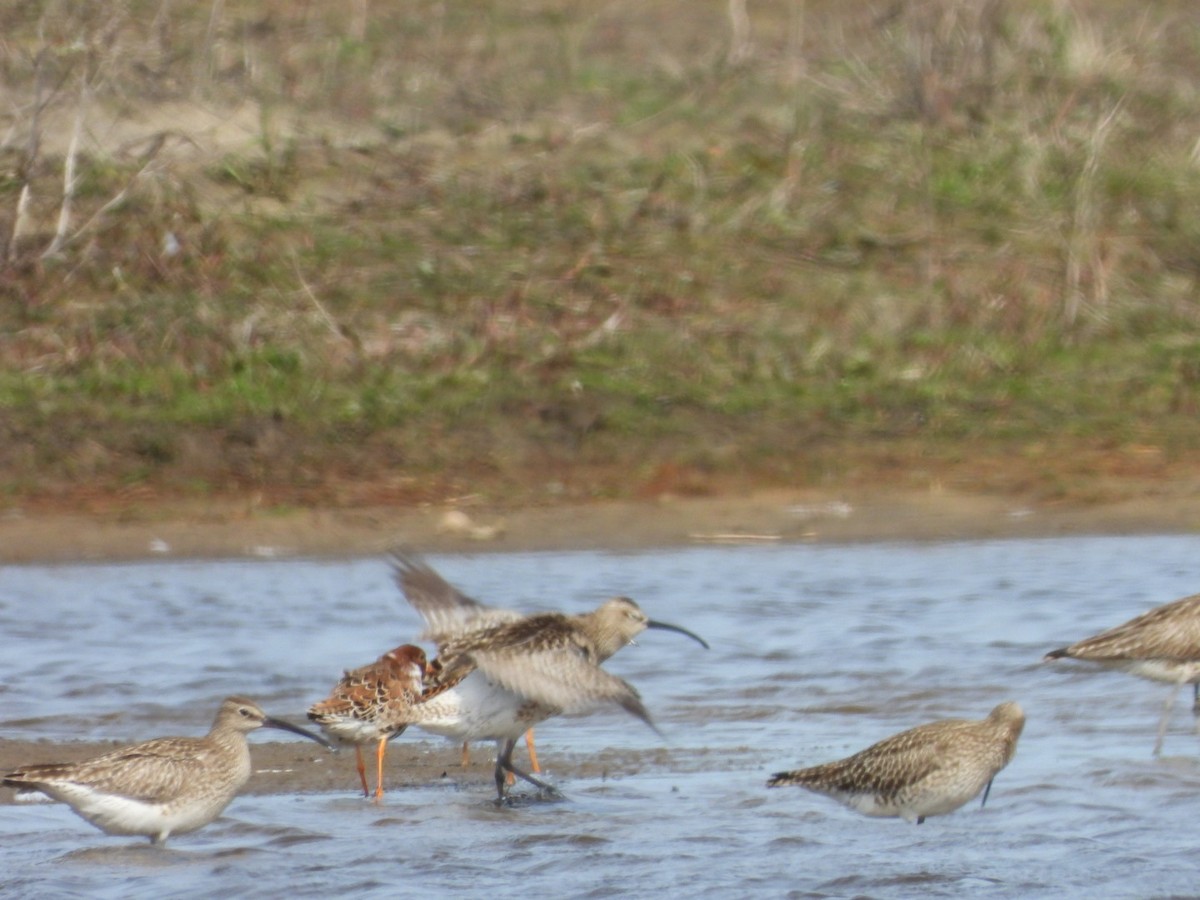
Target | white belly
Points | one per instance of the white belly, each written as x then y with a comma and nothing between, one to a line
124,816
950,789
348,730
478,709
1170,671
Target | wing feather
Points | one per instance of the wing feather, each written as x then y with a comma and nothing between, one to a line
1170,631
561,676
153,772
446,610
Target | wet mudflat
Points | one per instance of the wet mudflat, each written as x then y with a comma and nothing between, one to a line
817,651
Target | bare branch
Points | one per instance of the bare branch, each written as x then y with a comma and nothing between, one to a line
333,324
117,199
70,178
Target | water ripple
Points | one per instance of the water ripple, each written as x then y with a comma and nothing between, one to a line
817,652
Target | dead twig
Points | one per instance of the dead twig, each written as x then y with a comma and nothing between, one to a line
70,179
333,324
114,202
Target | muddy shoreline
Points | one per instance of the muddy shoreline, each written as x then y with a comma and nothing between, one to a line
229,528
293,767
223,530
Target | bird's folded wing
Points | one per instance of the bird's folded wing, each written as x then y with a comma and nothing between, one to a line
895,763
1153,635
149,772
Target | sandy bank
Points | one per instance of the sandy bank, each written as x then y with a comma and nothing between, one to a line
228,529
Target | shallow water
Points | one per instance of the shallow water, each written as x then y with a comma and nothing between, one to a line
817,651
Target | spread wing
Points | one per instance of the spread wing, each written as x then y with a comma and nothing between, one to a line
446,610
558,673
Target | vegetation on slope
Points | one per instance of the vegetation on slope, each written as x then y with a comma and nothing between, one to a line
553,247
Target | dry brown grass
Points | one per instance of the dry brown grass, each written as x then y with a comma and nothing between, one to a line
559,243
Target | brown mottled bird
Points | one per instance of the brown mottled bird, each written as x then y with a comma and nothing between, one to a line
1162,644
362,708
499,680
161,787
449,613
929,770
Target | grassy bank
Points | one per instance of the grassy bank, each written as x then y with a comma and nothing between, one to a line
595,249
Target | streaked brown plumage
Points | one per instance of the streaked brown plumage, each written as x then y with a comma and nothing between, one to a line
1162,644
449,613
929,770
499,680
161,787
362,708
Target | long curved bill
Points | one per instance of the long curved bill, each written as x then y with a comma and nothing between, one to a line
663,626
270,722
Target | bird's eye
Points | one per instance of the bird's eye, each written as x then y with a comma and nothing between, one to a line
246,712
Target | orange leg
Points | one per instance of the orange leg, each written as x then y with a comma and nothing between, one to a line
379,752
533,763
362,769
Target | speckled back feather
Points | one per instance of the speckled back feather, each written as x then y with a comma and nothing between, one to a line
446,610
550,659
1168,632
926,770
152,772
370,692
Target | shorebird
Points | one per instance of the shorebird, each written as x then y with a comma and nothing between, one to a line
929,770
161,787
501,679
357,710
1162,644
449,613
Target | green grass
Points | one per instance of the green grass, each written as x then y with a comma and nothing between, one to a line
478,235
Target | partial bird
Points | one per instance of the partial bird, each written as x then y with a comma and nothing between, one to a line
1162,644
498,681
929,770
161,787
361,708
449,613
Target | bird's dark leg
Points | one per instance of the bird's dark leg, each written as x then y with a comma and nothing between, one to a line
362,769
987,790
920,820
1196,705
503,749
504,764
